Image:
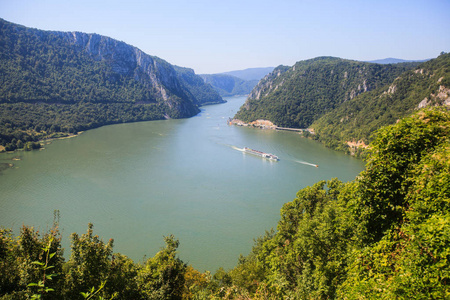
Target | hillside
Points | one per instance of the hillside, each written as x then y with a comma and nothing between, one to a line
54,83
354,121
297,96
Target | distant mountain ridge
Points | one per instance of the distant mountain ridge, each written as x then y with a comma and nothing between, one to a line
87,80
228,85
240,82
250,73
391,60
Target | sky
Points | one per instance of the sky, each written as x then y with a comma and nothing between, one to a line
219,36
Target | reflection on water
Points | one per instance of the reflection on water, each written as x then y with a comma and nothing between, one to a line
139,182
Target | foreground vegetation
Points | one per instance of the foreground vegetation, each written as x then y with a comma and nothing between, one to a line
384,235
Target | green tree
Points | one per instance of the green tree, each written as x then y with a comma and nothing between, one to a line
89,264
162,276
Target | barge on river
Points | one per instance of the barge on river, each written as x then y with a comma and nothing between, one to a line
268,156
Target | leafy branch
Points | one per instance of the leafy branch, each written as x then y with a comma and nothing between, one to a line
41,288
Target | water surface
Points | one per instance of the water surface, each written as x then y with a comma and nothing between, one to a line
141,181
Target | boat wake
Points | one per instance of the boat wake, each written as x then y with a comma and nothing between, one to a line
238,149
306,163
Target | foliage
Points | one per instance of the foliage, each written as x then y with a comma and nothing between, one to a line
162,277
89,263
403,247
24,263
42,289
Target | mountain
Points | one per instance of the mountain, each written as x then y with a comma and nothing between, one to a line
228,85
297,96
353,122
391,60
235,83
63,82
251,73
200,92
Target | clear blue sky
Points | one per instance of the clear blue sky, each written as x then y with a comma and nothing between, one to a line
218,36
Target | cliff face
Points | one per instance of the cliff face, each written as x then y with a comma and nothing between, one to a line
129,61
100,68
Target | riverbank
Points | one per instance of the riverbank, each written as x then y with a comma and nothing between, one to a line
42,142
266,124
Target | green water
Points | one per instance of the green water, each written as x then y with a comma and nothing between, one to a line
139,182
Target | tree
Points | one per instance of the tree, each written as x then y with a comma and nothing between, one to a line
89,264
162,276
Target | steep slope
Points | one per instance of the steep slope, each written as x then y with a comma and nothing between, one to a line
71,81
228,85
297,96
201,92
353,122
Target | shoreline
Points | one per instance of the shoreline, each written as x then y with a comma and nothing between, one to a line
43,142
266,124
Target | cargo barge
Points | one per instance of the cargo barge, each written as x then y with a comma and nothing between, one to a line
268,156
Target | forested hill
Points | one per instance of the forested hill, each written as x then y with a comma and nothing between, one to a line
85,81
353,122
297,96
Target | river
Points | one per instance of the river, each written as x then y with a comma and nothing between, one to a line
139,182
